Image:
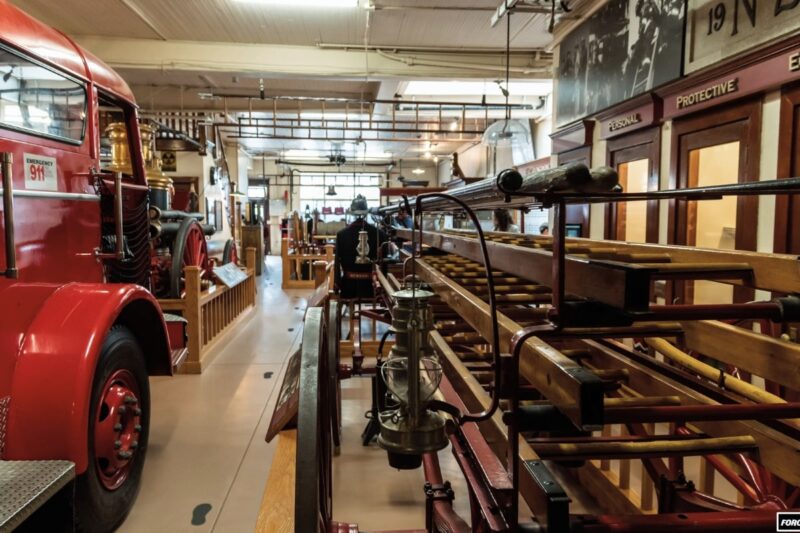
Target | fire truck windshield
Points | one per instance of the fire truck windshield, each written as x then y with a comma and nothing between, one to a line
40,100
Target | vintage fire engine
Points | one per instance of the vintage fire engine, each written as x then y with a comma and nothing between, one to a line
80,332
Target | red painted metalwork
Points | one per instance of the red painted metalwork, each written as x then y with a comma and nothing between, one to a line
52,377
234,254
117,428
491,488
52,46
195,253
442,516
765,495
56,315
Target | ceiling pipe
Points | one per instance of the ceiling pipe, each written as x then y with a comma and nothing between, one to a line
329,164
411,61
521,9
355,101
540,52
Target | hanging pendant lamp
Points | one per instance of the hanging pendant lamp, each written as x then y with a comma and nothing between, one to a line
508,132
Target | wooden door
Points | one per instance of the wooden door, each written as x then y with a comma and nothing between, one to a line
636,159
717,147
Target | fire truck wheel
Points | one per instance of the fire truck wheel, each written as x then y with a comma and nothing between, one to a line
229,254
189,249
118,431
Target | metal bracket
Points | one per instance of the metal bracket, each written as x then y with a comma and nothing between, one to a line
119,233
8,215
557,514
435,493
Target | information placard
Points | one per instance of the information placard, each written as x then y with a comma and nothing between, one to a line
230,275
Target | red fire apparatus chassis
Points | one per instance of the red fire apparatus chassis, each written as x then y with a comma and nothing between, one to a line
75,350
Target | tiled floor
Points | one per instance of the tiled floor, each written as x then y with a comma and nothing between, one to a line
207,432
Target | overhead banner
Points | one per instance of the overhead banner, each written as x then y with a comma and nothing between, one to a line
626,48
719,29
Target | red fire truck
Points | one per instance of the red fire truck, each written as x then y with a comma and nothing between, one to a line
80,332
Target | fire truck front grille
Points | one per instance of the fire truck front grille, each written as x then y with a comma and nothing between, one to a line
4,403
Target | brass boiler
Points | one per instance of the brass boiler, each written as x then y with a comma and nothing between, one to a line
160,184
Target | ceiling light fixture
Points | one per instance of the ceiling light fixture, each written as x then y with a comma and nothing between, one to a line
418,171
506,133
304,3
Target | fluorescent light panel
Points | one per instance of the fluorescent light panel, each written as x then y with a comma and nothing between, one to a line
304,3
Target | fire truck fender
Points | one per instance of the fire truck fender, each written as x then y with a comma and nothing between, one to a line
52,383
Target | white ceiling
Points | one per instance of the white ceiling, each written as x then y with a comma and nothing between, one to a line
448,26
392,23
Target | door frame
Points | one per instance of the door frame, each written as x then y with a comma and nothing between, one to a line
739,121
578,213
642,144
787,207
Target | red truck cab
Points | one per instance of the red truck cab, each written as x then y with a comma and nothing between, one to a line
79,330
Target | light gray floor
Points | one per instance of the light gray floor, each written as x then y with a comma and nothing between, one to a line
207,432
207,438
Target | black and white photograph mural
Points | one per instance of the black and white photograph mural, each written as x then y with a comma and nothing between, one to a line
626,48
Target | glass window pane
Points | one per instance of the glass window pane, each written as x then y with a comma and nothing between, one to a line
256,192
715,220
632,216
40,100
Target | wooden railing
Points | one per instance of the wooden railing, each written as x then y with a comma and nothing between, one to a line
295,260
212,313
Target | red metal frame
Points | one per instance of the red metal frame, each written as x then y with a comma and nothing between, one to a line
52,381
56,315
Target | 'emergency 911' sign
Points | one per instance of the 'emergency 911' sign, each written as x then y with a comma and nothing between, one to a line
41,173
718,29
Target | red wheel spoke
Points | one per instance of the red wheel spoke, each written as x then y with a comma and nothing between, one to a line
195,253
753,473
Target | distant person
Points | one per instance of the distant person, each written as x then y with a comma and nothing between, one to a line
503,221
403,219
544,229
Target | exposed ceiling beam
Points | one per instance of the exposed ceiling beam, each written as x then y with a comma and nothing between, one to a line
144,18
279,60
